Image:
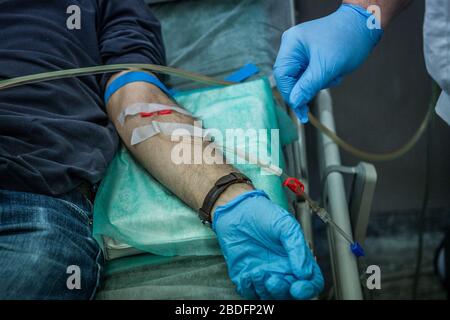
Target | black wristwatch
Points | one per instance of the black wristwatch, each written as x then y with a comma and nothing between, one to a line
219,187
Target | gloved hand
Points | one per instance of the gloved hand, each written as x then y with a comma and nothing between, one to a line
316,55
265,250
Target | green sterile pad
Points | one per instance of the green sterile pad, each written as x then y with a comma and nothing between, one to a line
132,208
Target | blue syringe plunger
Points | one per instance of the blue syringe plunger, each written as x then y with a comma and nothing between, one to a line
357,250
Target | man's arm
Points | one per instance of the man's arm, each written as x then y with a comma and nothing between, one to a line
389,8
129,33
266,253
264,248
190,182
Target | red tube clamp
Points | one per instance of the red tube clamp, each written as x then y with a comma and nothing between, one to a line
295,186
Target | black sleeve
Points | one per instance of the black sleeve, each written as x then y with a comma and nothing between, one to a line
129,33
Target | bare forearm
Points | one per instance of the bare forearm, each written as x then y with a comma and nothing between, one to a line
389,8
190,182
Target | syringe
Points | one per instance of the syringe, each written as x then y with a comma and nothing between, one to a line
299,189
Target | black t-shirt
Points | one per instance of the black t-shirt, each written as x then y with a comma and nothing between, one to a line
55,135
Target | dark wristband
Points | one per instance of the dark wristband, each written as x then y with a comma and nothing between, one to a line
219,187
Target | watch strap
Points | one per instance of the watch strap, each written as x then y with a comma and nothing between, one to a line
217,190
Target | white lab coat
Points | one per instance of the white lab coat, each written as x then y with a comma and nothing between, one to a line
437,50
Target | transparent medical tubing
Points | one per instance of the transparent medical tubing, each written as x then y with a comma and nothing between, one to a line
364,155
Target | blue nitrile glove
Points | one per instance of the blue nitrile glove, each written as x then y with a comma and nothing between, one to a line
265,250
316,55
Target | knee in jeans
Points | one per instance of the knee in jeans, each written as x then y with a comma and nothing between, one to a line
48,274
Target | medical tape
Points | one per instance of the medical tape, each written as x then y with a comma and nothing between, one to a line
171,129
243,73
138,108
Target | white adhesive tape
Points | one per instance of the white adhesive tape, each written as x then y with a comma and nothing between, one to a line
170,129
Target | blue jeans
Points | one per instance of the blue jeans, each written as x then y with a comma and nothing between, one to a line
46,247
